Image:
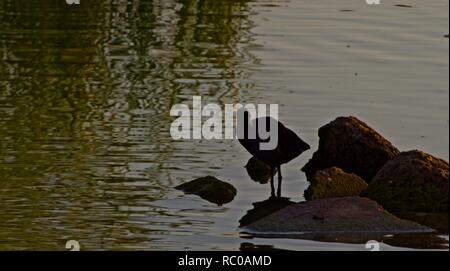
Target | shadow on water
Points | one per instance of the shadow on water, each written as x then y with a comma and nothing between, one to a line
85,94
247,246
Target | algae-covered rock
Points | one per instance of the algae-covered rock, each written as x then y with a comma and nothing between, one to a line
414,185
334,182
210,189
343,215
259,171
351,145
411,182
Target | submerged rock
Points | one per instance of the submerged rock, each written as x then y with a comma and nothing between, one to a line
258,171
210,189
264,208
351,145
334,182
342,215
413,182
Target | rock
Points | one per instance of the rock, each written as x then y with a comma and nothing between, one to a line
405,240
264,208
210,189
416,240
338,215
413,182
351,145
437,221
258,171
334,182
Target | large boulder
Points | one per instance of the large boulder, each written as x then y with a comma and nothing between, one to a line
437,221
351,145
210,189
413,181
338,215
334,182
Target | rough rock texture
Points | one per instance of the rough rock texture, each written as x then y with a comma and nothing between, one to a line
346,214
210,189
351,145
258,171
411,182
334,182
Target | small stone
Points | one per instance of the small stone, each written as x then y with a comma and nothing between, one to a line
210,189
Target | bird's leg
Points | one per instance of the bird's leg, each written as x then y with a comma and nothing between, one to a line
279,181
272,187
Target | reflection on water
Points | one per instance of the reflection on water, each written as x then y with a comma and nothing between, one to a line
85,93
252,247
259,171
85,96
413,240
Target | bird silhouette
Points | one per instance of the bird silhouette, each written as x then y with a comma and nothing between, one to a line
289,145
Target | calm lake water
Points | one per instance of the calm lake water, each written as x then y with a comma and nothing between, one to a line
85,94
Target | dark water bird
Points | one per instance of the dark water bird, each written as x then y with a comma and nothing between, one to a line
289,145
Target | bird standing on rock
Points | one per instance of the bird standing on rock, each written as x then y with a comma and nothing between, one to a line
289,145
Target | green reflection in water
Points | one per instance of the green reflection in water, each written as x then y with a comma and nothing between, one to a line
84,99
